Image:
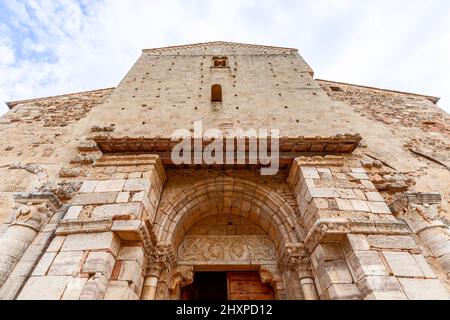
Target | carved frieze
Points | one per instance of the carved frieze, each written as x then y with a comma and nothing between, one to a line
242,250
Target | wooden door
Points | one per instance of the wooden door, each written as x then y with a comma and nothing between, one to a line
248,286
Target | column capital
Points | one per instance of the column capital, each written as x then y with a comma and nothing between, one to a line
33,210
162,257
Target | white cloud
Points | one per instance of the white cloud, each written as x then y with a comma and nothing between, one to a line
53,47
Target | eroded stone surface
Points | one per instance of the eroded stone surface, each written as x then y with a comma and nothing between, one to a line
131,217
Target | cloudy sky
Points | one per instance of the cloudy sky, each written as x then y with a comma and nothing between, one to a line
50,47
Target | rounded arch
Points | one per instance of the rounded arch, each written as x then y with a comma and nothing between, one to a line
260,204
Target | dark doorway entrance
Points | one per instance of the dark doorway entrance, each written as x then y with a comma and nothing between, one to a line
215,286
207,286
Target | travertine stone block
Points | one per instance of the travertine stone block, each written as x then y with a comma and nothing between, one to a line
136,185
73,213
440,249
434,235
324,193
326,252
403,264
74,288
120,290
56,244
359,205
88,187
424,289
139,197
391,242
354,242
44,288
368,185
94,241
360,195
346,193
110,186
366,263
135,175
84,199
424,266
132,254
123,197
127,230
344,205
342,292
309,173
381,288
333,272
131,271
358,176
118,209
379,207
374,196
99,262
95,288
444,261
44,264
66,264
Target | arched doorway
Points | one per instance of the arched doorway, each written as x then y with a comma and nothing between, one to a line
229,226
226,252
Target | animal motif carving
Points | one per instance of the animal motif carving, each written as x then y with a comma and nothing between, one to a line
226,249
34,216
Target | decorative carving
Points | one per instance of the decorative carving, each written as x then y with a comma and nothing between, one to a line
162,258
270,275
419,210
296,258
227,249
181,276
30,215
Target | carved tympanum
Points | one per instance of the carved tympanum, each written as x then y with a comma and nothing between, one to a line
226,249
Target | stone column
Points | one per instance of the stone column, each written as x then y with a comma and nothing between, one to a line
309,288
359,250
150,285
296,259
103,242
155,267
421,212
31,214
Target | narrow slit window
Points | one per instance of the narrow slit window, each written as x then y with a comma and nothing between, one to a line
216,93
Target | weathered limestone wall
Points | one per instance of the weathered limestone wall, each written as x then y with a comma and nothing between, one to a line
39,137
420,128
359,250
355,247
24,237
104,240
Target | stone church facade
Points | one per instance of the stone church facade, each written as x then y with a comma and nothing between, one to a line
94,207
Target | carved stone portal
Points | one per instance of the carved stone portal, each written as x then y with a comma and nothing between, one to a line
223,250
